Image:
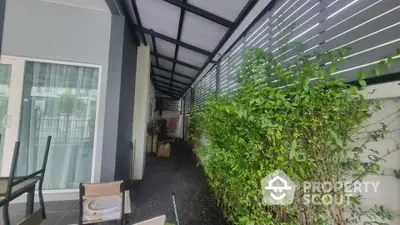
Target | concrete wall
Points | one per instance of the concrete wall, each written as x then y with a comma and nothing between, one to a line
388,192
45,30
127,95
110,131
140,112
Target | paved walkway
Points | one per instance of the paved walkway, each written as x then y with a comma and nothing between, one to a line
179,174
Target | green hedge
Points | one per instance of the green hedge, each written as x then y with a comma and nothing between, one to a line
282,110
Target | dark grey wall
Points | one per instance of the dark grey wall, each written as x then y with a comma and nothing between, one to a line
113,89
2,12
127,95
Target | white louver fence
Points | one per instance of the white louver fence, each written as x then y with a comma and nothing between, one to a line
371,28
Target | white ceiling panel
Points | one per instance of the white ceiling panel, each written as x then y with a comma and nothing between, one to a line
188,56
160,16
201,32
165,64
228,9
165,48
161,85
186,71
179,85
162,73
161,95
182,79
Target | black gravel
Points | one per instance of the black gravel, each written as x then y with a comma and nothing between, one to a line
180,174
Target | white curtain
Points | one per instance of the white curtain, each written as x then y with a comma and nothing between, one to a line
60,101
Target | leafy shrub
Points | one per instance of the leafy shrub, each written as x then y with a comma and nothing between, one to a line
285,109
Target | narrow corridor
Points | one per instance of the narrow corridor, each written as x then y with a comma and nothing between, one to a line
195,201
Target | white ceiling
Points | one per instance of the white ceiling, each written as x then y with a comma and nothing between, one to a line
228,9
159,16
201,33
99,5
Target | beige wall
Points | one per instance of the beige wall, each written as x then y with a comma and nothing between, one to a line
388,193
140,111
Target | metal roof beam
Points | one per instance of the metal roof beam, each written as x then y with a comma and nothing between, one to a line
172,91
201,12
130,22
166,83
242,15
166,93
155,49
137,15
173,41
177,81
155,54
178,37
169,71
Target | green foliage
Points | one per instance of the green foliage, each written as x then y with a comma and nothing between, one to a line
71,104
397,173
282,110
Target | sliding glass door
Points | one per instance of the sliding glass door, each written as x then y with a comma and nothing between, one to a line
60,100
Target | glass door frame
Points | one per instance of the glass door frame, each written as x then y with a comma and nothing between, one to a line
11,120
14,109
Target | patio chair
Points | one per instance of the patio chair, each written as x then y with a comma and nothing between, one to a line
160,220
12,187
91,195
34,219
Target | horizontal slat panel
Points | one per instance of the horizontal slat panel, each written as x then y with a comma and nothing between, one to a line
354,30
282,31
350,74
377,53
385,13
370,27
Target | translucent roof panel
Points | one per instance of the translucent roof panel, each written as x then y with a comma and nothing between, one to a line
191,57
153,11
165,48
186,71
228,9
201,33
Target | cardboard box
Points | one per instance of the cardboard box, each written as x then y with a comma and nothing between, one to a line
164,150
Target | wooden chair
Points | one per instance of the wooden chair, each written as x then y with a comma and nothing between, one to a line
34,219
90,192
12,187
160,220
